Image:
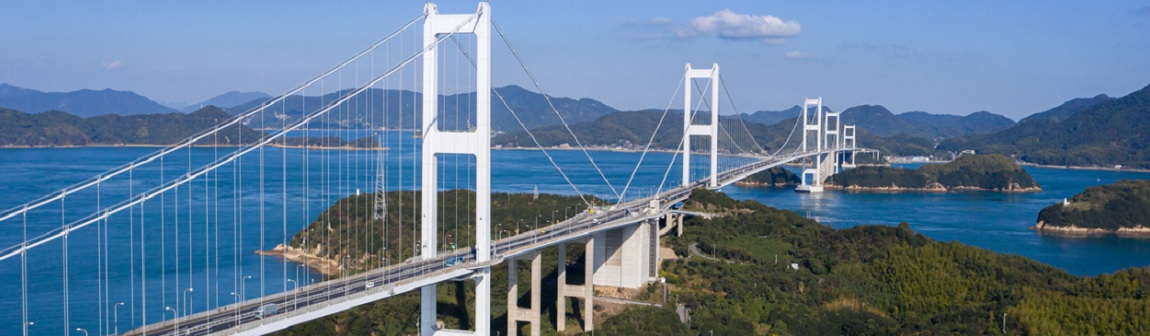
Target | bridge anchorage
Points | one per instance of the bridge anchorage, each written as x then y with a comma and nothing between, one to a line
620,241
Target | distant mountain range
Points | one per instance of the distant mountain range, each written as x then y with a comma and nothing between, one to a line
1099,131
84,103
1096,131
880,121
228,99
457,111
56,129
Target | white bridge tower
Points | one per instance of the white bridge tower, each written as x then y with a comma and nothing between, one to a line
476,141
710,130
812,124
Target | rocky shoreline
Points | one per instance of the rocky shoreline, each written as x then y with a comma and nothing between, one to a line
1074,230
302,256
933,187
764,185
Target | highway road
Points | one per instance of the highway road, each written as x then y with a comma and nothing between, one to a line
584,224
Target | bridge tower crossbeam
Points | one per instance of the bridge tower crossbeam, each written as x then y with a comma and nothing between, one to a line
710,130
476,142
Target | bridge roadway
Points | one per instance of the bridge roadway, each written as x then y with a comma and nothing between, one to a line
333,296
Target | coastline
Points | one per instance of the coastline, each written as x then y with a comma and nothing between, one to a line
320,264
1122,169
1075,231
764,185
934,187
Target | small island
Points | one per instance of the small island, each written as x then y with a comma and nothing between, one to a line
1121,208
970,172
350,238
777,177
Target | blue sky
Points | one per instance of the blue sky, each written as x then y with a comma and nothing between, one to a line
1013,58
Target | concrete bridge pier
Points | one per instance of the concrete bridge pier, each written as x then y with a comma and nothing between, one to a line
626,257
671,220
515,313
585,291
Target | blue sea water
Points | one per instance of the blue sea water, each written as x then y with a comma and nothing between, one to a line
299,184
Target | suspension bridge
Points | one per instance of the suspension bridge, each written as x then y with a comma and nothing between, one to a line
163,245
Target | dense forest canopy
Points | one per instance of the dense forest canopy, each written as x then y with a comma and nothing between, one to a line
988,172
1123,204
1098,132
865,280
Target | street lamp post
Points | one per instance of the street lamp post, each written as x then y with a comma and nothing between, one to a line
237,307
297,271
186,290
244,287
116,318
295,295
176,315
82,330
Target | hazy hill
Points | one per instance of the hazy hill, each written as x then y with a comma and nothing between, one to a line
1064,111
458,110
229,99
880,121
773,117
83,103
54,128
1111,132
633,129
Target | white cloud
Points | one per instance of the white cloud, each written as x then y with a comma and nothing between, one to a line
113,65
730,25
774,40
795,54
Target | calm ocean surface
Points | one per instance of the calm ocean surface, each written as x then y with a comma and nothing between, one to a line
993,221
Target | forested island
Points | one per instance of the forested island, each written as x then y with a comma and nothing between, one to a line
60,129
992,172
1121,208
777,273
773,177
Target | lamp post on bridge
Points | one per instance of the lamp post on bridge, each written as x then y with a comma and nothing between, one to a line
295,293
116,318
185,306
244,287
82,330
176,315
237,307
297,270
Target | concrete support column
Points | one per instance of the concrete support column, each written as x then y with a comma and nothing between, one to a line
589,286
530,314
679,228
560,288
585,291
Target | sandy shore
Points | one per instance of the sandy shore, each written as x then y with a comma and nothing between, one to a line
323,265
